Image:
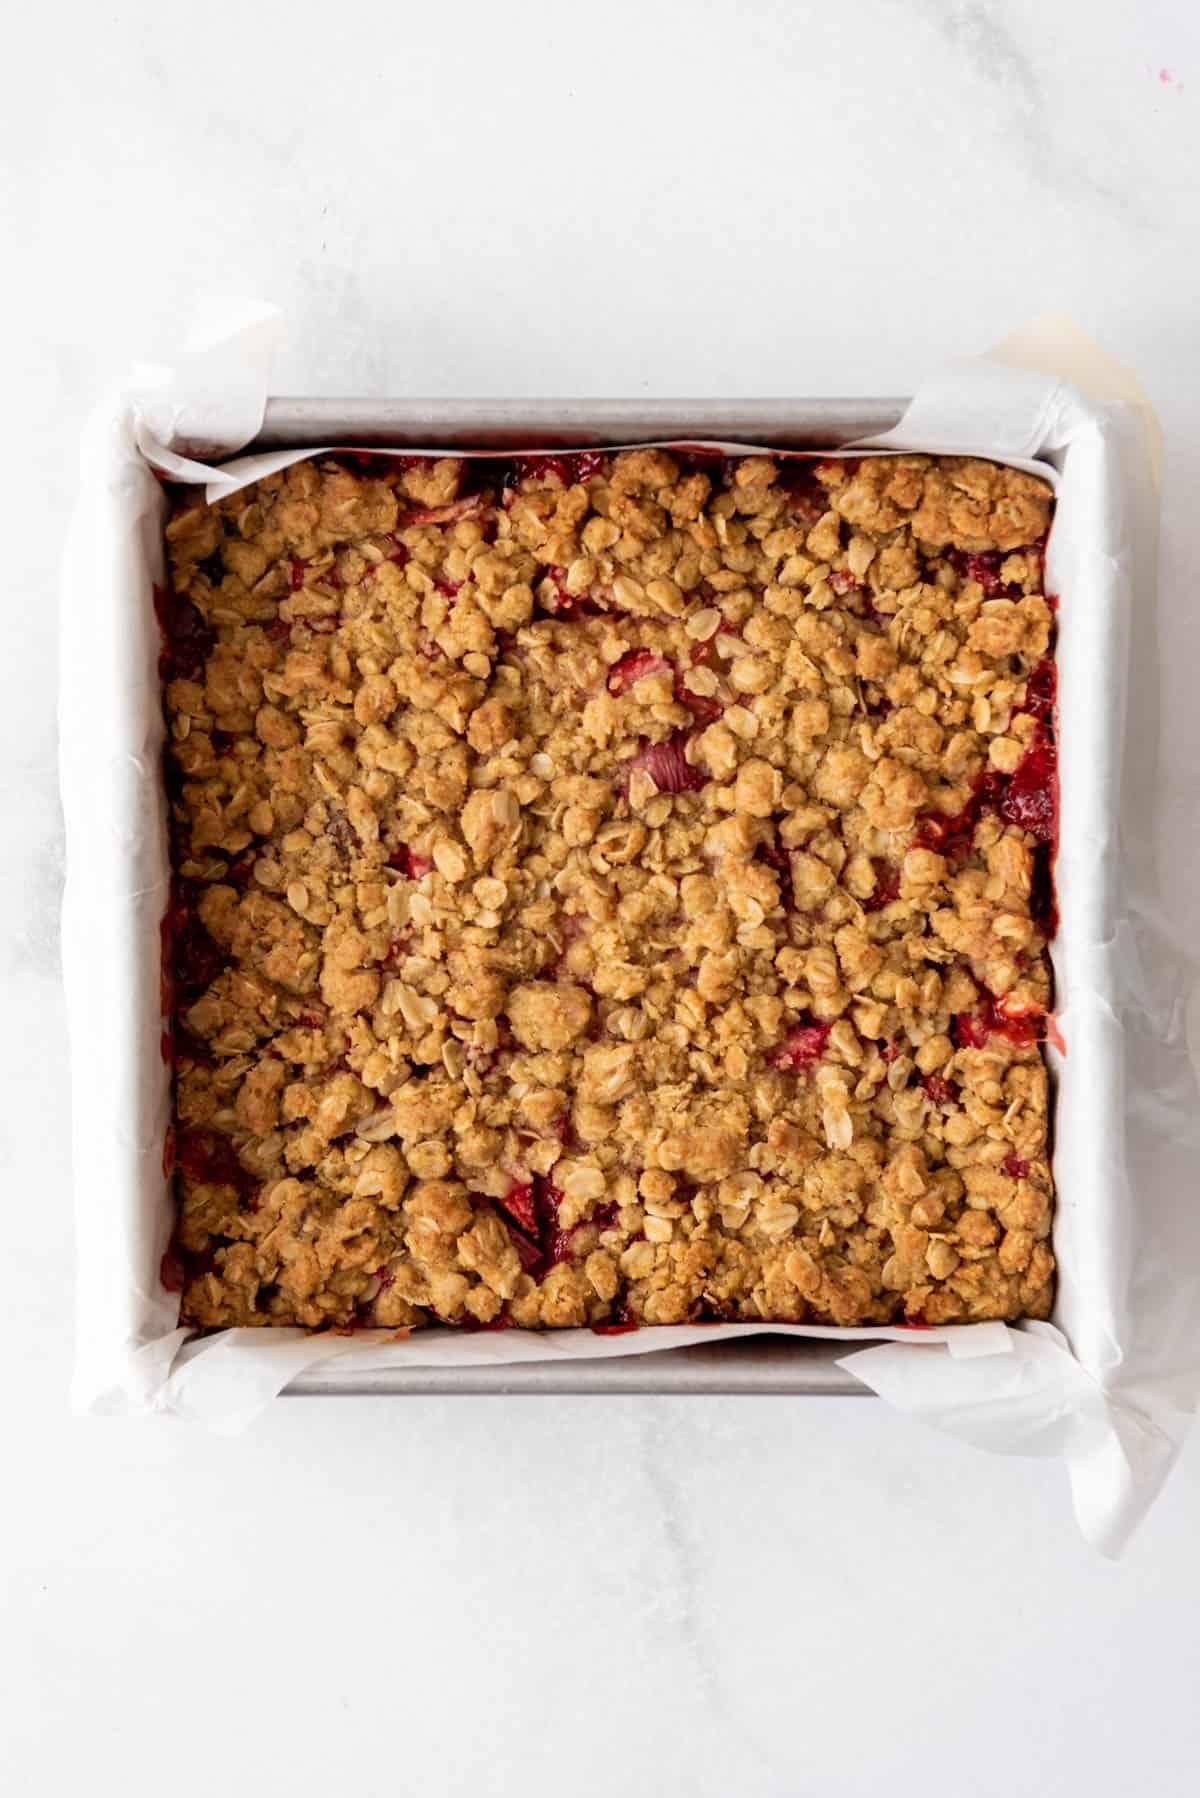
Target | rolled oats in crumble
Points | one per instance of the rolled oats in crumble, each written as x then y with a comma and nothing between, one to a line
611,890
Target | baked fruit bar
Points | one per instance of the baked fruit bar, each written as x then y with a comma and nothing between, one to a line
611,889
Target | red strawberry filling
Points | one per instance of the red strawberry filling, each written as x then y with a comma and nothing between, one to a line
1015,1166
378,465
532,1218
705,652
776,857
952,833
450,514
887,886
984,568
411,865
567,607
1027,798
668,767
568,469
471,1326
1043,901
187,641
941,1091
190,954
529,1252
1041,690
182,1045
1022,1025
171,1270
540,468
179,1265
807,498
240,871
637,665
1030,797
585,464
623,1322
518,1202
398,953
970,1030
803,1044
209,1157
704,709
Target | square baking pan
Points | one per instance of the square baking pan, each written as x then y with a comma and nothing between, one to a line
761,1364
1124,1097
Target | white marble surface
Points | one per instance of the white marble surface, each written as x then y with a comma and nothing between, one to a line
646,196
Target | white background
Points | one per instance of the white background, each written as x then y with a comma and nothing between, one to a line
632,196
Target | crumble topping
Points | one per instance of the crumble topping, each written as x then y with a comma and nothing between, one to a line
611,890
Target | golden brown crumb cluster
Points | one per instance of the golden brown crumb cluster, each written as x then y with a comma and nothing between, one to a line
611,890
